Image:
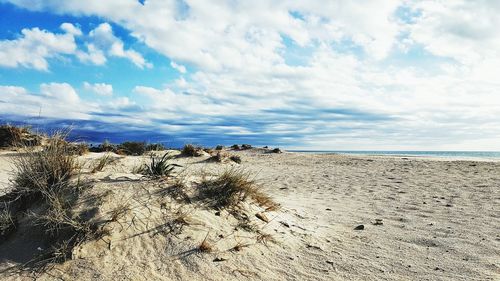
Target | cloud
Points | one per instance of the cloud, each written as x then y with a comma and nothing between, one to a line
71,29
338,74
178,67
60,92
35,46
241,34
99,88
104,41
466,31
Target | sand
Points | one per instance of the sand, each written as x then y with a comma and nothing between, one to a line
423,219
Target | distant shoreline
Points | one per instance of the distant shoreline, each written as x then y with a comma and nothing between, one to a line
493,156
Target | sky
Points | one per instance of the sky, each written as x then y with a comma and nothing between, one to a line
315,74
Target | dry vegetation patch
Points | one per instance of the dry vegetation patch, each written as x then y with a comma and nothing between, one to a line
190,150
45,200
230,188
11,136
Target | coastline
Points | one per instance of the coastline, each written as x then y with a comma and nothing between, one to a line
402,154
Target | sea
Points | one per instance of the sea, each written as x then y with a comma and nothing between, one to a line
493,155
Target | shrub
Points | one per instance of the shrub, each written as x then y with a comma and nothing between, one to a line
106,146
235,147
42,190
231,188
41,170
159,166
219,157
191,150
246,146
219,147
155,147
79,148
133,148
276,150
14,136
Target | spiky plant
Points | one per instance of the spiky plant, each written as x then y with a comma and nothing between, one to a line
159,167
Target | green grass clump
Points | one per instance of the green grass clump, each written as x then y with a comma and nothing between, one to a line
159,167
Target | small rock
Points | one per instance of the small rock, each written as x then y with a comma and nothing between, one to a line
359,227
378,222
219,259
329,262
328,209
449,205
217,213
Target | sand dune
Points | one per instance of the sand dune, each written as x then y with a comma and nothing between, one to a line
422,219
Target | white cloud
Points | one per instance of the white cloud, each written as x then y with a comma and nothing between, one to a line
343,92
102,89
60,91
55,100
71,29
466,31
241,34
34,47
93,55
178,67
103,40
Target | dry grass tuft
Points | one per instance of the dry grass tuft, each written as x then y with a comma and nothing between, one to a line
79,148
264,238
102,162
231,188
177,191
239,246
41,170
43,190
235,158
11,136
7,222
219,157
205,246
190,150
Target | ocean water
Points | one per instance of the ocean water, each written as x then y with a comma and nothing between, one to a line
443,154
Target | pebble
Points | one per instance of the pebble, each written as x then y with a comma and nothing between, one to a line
359,227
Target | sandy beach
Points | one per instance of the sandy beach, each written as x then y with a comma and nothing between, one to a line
422,219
